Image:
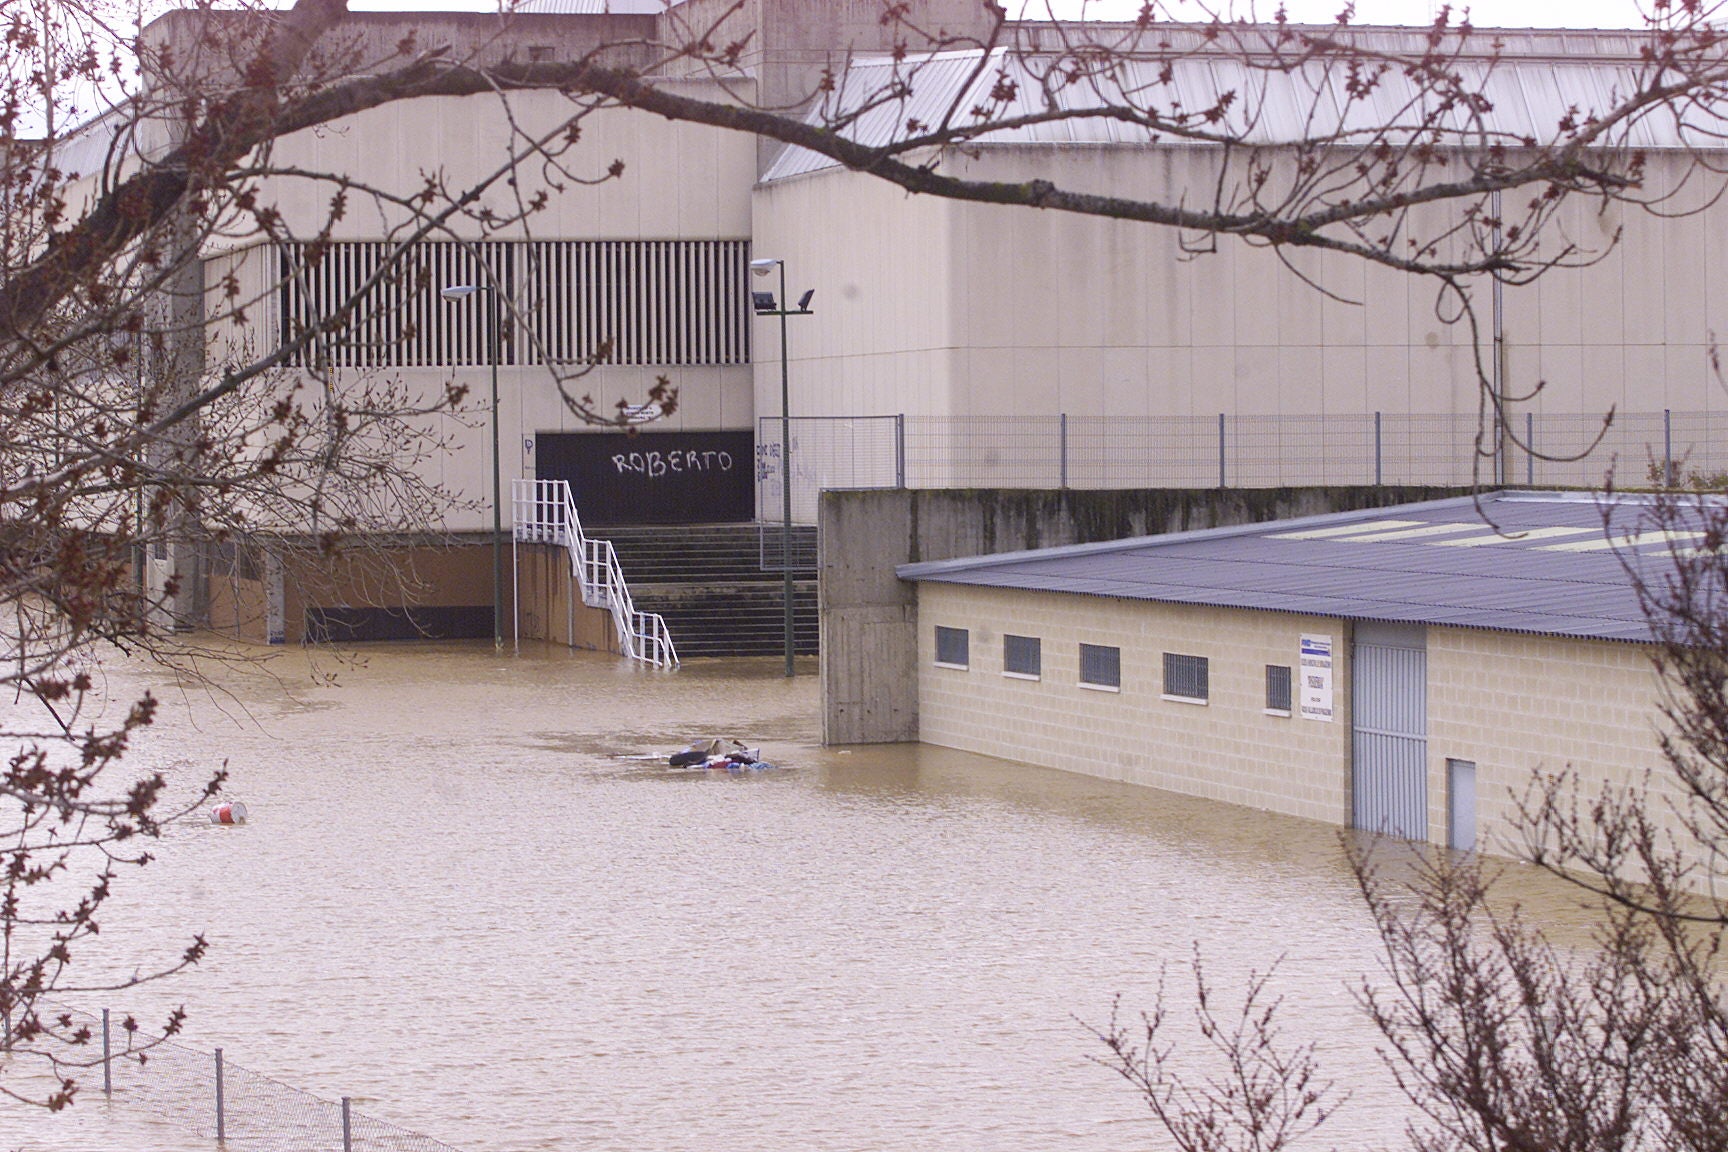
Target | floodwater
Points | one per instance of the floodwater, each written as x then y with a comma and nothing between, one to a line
461,902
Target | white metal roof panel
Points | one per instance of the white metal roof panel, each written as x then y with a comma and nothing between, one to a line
592,7
1538,81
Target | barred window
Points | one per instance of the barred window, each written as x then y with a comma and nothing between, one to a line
1186,677
1277,688
1100,666
658,302
1022,656
952,647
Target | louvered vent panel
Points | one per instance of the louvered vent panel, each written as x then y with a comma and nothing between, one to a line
646,302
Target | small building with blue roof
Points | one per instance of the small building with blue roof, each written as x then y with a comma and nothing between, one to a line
1406,670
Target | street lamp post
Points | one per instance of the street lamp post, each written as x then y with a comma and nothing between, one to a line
462,292
767,305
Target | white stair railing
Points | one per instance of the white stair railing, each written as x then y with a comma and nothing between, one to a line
544,512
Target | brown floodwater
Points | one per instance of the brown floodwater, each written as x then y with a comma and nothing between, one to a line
461,902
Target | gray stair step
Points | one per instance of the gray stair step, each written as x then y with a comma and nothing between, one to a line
707,581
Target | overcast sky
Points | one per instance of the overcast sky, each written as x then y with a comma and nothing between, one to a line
1484,13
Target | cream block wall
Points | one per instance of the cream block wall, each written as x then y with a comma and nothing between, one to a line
1518,706
1228,749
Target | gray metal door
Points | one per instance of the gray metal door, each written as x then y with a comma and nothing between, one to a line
1389,709
1461,804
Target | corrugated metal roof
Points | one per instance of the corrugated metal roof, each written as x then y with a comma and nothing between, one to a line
1532,87
1441,562
592,7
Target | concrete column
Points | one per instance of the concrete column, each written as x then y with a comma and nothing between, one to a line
275,599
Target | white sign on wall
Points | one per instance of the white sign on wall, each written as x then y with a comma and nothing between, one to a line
1316,673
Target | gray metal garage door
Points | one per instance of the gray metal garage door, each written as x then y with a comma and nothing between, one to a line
1389,707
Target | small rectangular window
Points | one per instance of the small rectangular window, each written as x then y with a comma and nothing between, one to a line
1278,689
1022,656
953,647
1185,677
1100,666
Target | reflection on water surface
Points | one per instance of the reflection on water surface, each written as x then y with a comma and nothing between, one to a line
459,902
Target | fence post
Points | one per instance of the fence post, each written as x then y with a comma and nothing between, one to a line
1377,457
1667,448
221,1116
1530,449
347,1128
900,450
107,1068
1062,446
1220,449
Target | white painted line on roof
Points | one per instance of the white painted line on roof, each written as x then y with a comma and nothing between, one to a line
1689,553
1630,540
1346,529
1520,537
1412,533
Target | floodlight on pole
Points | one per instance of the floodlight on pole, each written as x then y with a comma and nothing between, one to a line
766,304
462,292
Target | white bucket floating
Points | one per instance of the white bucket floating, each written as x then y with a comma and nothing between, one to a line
230,812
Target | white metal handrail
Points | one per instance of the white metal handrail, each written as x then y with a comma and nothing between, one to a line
544,512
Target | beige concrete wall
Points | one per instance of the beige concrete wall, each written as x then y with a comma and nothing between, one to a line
1229,749
381,575
881,339
680,181
1022,312
551,604
788,44
237,606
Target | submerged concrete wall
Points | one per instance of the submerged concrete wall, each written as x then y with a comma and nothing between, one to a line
870,617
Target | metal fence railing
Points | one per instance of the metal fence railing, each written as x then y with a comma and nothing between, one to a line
544,512
219,1100
1450,449
777,549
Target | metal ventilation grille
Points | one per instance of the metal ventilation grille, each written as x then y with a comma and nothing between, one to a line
1187,677
656,301
395,317
648,302
1101,666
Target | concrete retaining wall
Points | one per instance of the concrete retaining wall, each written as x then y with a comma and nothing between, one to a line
870,618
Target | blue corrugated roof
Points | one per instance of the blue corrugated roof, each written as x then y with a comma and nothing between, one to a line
1546,563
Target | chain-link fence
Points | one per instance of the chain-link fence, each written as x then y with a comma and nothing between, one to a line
1545,449
826,452
219,1100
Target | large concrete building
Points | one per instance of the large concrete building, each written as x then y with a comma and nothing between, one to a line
951,344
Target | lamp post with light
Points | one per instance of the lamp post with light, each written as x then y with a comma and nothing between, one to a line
462,292
767,305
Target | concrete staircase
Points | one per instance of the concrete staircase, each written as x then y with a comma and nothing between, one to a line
708,583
